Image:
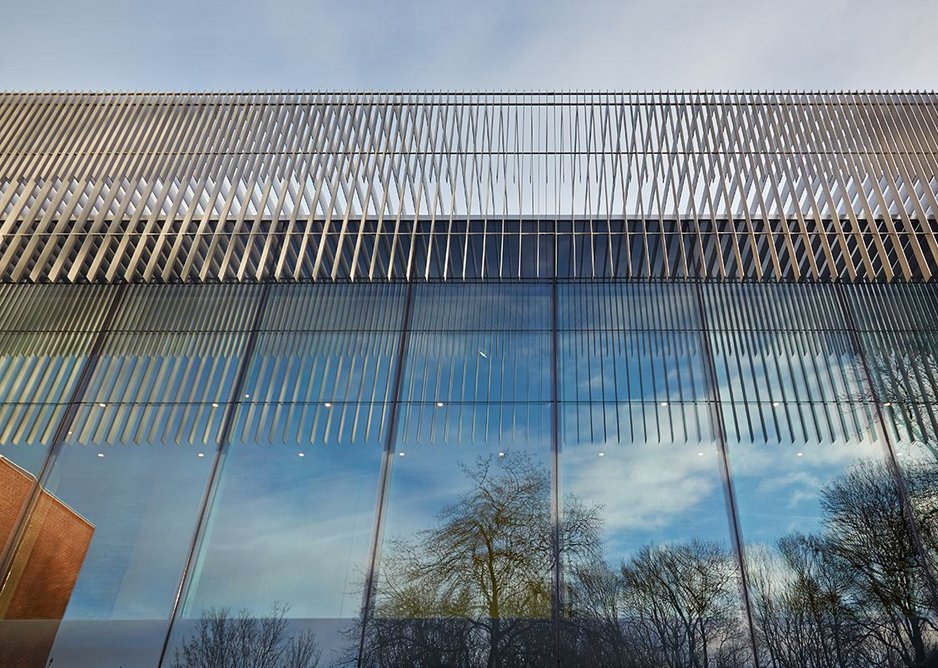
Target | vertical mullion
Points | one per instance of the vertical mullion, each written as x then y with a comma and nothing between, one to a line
557,598
61,431
385,474
212,485
722,451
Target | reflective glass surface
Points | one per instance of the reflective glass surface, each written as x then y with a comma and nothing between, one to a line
898,333
466,563
45,336
834,574
289,530
633,474
99,564
650,575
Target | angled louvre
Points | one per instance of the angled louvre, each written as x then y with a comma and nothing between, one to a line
147,187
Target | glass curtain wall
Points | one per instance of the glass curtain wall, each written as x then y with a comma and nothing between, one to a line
498,474
46,336
284,558
650,574
834,570
466,561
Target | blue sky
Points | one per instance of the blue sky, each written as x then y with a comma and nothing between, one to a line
474,45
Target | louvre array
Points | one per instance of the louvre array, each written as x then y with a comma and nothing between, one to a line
146,187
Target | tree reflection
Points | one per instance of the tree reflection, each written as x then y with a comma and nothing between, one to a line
223,641
855,593
475,590
671,605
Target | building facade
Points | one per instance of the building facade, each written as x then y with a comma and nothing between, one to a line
469,380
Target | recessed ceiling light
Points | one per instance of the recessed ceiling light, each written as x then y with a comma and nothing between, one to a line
327,405
801,454
664,403
501,454
300,454
102,405
439,404
700,454
100,454
601,454
400,454
214,405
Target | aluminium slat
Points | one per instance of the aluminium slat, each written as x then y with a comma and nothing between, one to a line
663,180
41,124
920,155
697,169
718,147
236,121
837,174
334,183
192,124
890,227
743,184
330,110
249,172
313,169
808,167
163,164
824,177
233,170
784,187
39,235
286,167
845,155
61,229
900,167
349,177
768,166
99,222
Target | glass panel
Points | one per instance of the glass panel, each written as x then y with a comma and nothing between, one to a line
904,369
289,533
466,563
46,333
650,578
834,574
96,575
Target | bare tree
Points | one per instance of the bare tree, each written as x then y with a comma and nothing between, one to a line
671,605
802,607
686,597
866,532
856,593
223,641
476,589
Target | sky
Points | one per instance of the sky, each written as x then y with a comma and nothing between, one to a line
476,45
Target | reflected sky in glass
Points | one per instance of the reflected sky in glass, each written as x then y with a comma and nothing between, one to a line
143,524
292,518
290,529
648,493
